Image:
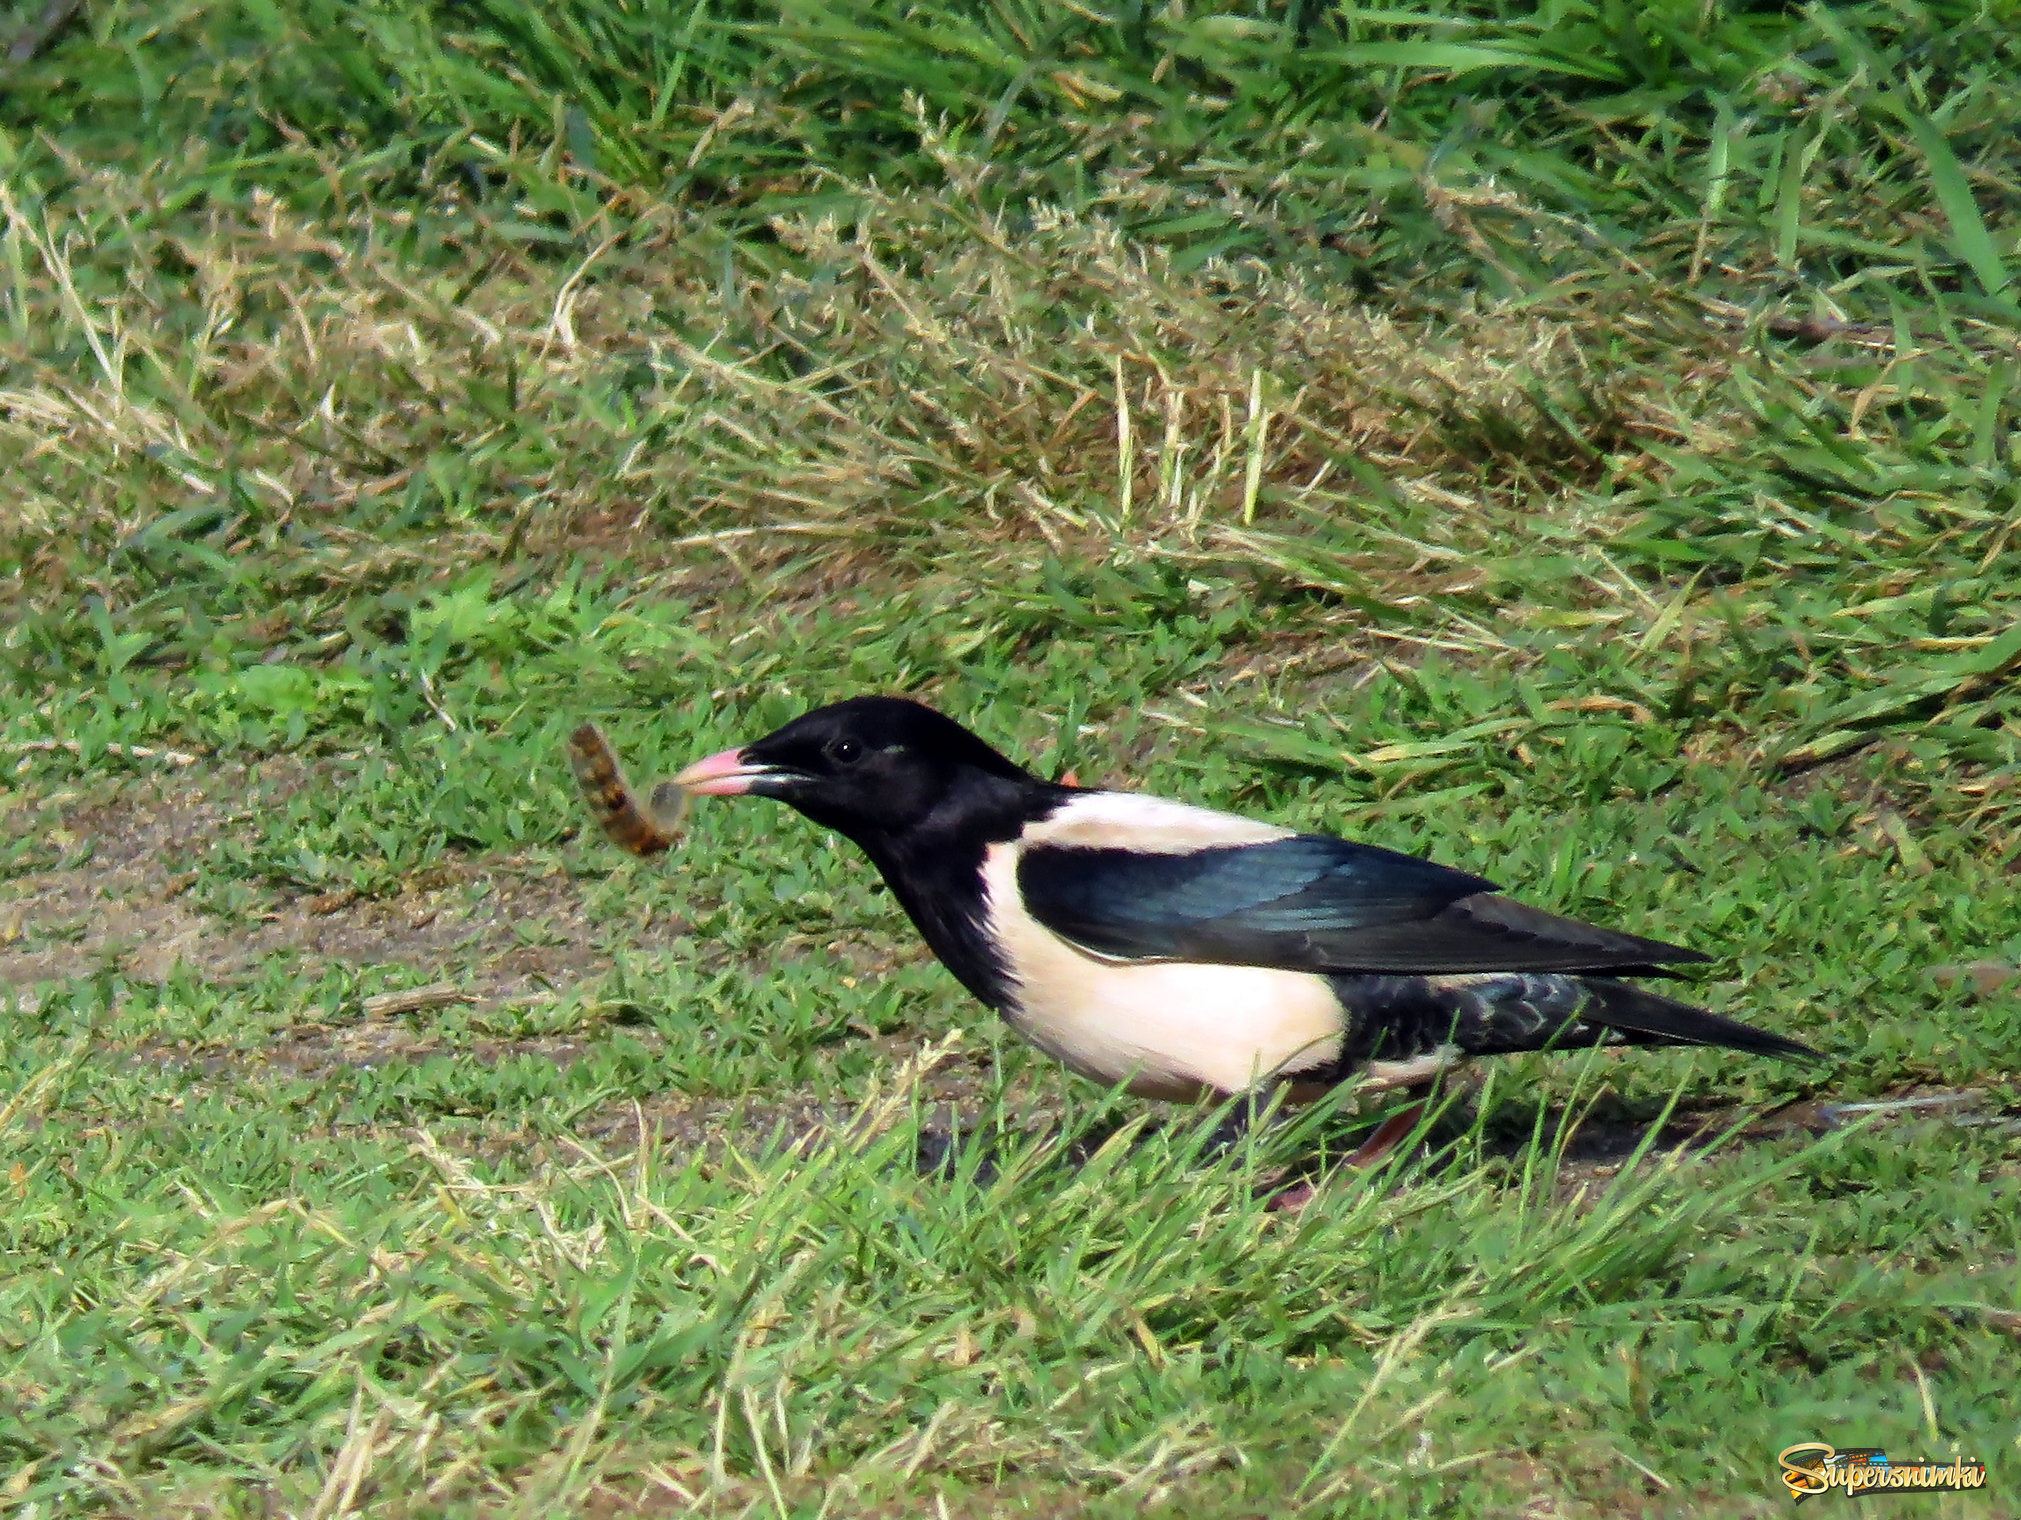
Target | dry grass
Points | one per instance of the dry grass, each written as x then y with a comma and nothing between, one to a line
868,388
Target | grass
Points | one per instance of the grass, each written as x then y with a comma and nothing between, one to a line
1579,443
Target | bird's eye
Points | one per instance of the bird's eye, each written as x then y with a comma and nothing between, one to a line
845,752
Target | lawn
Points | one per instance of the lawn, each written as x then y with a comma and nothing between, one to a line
1581,443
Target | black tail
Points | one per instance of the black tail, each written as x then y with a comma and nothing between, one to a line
1396,1018
1665,1021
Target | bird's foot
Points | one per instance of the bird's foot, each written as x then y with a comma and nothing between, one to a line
1290,1200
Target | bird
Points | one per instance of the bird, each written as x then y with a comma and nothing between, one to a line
1188,954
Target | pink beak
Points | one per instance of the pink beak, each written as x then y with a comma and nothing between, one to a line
724,775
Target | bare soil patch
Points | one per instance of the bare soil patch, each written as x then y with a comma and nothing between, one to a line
117,897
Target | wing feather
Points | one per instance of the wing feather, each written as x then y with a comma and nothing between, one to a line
1310,902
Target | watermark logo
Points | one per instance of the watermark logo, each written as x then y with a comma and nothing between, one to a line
1810,1468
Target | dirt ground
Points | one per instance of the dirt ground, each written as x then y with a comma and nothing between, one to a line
115,895
126,906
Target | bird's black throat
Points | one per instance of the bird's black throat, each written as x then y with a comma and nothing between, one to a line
934,867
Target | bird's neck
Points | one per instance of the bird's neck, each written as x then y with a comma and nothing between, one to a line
935,870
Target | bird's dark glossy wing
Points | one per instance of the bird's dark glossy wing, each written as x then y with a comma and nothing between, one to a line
1309,903
1134,903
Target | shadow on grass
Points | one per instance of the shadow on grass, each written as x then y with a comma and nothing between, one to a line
1586,1139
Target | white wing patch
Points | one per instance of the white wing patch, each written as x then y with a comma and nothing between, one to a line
1131,821
1172,1029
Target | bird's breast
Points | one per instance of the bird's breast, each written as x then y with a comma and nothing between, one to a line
1171,1029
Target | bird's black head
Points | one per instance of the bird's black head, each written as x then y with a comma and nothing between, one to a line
866,767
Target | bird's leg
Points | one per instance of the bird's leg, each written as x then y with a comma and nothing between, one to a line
1388,1135
1377,1148
1415,1077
